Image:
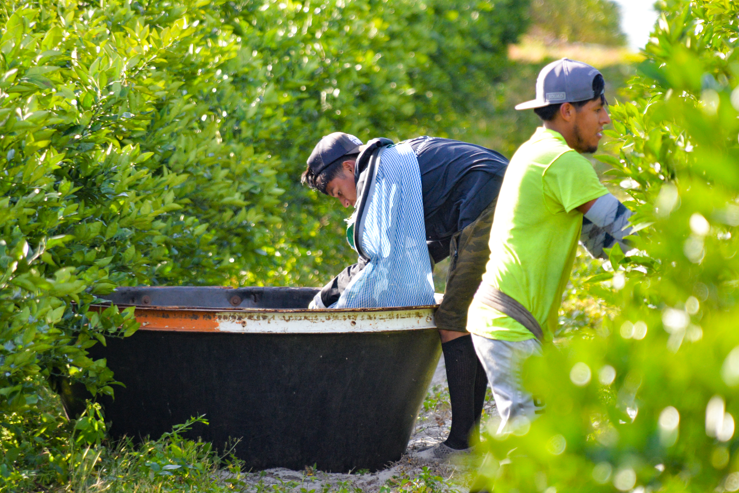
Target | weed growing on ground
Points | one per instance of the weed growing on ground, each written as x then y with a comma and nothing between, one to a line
277,488
297,486
436,398
171,463
426,482
341,487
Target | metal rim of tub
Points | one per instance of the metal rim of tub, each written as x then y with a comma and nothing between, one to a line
276,321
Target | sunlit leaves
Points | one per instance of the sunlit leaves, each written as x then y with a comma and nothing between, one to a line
661,414
161,143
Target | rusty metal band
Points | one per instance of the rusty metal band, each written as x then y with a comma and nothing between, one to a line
270,321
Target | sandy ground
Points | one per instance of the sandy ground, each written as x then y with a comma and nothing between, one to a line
431,427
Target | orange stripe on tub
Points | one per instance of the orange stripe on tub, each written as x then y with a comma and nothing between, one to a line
177,321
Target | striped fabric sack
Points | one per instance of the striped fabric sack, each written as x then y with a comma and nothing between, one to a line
393,236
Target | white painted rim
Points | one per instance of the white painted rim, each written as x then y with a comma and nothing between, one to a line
325,322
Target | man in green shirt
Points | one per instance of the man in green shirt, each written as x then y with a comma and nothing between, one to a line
550,197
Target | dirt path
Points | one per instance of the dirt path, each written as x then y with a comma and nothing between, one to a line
408,474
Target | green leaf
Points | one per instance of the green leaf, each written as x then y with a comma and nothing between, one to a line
52,38
615,255
58,240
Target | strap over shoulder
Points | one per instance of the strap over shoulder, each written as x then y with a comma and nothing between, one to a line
364,172
364,192
367,151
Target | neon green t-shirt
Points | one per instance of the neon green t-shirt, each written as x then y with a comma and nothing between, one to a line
535,233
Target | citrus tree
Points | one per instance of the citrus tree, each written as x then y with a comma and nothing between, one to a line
589,21
150,143
647,401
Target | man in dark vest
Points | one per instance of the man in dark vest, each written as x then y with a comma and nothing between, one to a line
460,183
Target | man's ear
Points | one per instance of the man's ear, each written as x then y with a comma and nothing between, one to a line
349,165
567,111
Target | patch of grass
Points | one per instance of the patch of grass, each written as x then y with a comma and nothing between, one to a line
301,487
284,486
171,463
341,487
425,482
436,399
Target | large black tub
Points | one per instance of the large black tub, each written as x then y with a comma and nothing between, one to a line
339,389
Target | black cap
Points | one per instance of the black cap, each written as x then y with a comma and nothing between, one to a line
331,149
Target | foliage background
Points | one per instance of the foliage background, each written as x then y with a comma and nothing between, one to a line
584,21
646,402
151,143
160,143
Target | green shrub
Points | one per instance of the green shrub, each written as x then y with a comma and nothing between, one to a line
169,463
149,143
646,402
397,69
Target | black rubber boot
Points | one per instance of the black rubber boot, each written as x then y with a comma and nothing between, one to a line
461,373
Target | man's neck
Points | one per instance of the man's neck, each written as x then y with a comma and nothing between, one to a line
563,129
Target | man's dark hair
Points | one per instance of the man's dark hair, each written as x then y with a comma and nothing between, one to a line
547,113
320,182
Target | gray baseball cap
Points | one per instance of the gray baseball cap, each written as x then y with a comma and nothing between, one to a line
332,148
563,81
